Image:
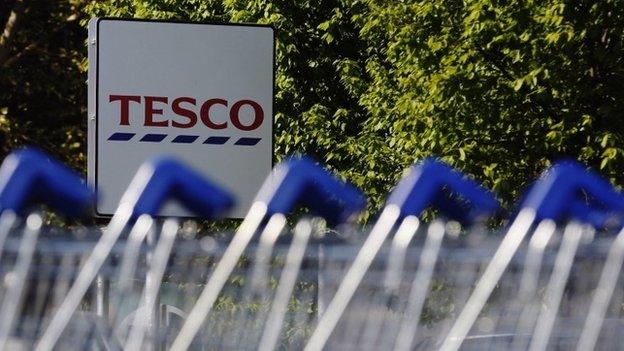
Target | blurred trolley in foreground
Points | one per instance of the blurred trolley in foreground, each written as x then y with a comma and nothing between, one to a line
548,280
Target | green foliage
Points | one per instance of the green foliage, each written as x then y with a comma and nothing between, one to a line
498,89
42,80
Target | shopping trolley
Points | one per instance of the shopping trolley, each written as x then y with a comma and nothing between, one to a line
28,180
132,320
550,201
320,283
296,181
430,183
156,182
503,305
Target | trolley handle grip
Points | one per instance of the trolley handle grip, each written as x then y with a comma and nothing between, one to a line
433,183
30,176
300,181
558,193
163,178
452,209
597,218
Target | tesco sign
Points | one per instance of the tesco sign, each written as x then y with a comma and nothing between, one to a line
188,114
200,92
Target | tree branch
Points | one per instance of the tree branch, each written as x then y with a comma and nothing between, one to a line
9,30
34,45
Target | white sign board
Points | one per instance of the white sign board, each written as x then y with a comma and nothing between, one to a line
202,93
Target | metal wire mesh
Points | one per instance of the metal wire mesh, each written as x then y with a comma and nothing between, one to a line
419,290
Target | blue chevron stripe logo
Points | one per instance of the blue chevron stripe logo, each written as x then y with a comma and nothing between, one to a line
121,136
184,139
247,141
153,138
216,140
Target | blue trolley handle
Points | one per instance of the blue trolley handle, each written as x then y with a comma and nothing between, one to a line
295,182
553,198
156,181
28,178
562,184
428,183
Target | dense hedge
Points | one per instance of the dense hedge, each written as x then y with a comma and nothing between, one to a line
497,88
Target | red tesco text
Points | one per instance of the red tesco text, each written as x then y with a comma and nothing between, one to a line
185,110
